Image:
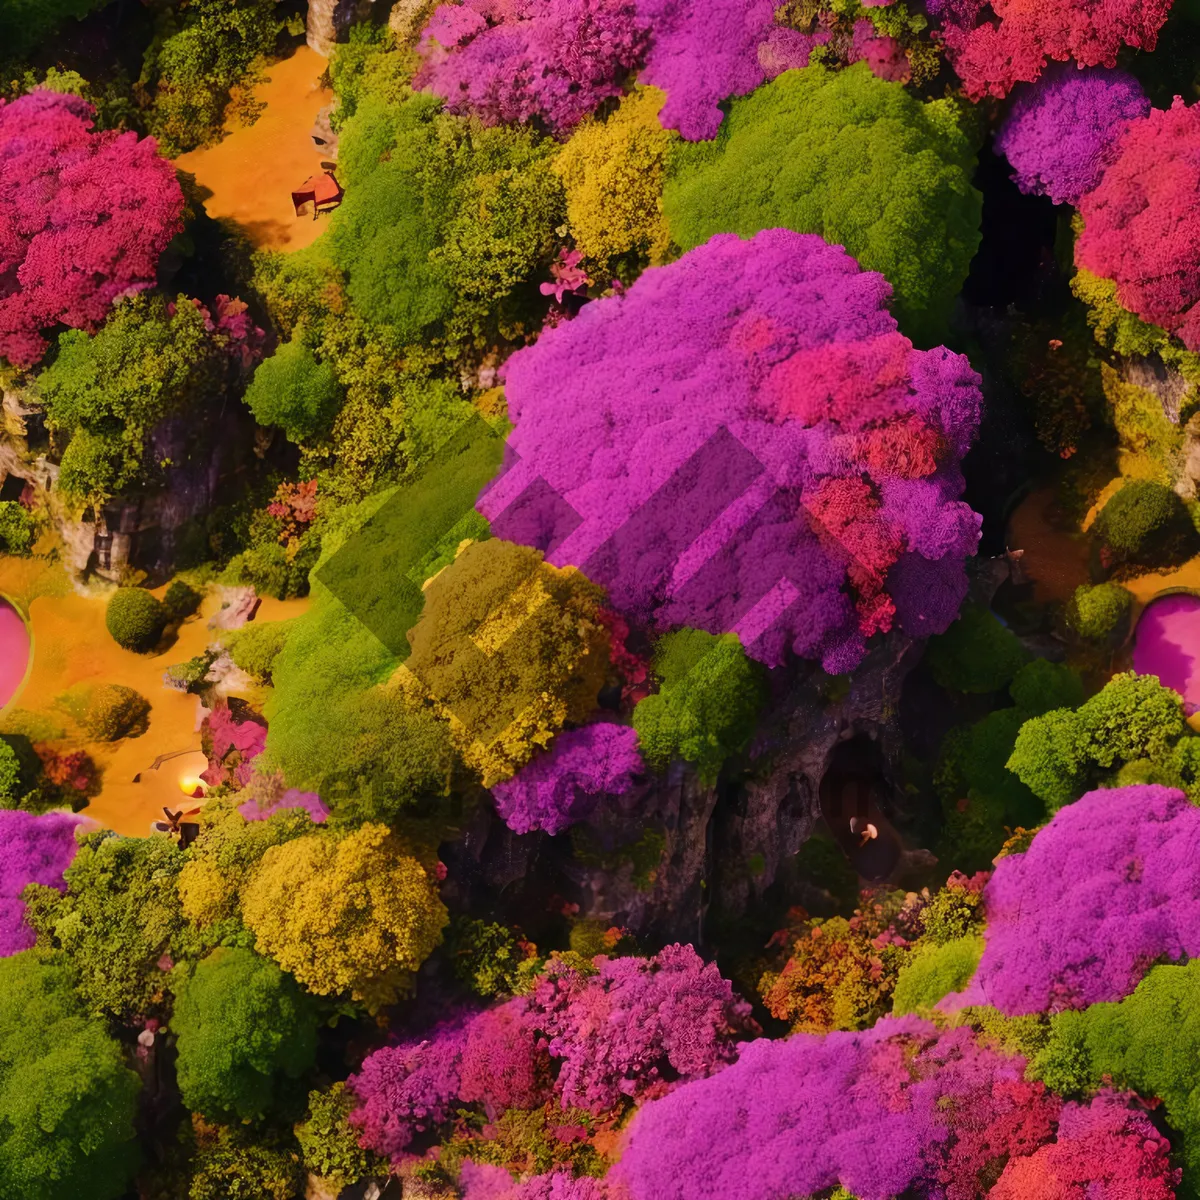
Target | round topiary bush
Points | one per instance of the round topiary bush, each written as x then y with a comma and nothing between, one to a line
107,711
1100,613
1145,524
180,601
135,618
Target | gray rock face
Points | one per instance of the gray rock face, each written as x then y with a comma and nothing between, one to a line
328,21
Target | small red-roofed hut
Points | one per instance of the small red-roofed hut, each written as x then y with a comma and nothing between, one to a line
323,190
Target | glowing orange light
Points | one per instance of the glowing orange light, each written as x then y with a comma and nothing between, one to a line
191,785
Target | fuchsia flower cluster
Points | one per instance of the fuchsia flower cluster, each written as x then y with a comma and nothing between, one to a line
1108,888
84,218
33,849
634,1029
995,45
898,1107
556,60
1139,223
564,784
748,445
1061,131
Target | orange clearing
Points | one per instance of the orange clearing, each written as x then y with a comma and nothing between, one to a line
1054,560
71,645
251,173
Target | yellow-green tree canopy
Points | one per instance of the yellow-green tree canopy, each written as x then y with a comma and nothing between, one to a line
354,914
508,649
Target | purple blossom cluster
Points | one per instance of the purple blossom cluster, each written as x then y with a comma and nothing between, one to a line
1061,130
1108,888
483,1182
748,445
33,849
633,1029
556,60
564,784
896,1107
261,808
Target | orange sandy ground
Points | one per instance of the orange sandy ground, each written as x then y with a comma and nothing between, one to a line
1054,561
251,173
71,645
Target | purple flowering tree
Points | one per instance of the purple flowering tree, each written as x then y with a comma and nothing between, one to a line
1060,132
744,442
564,784
33,849
1108,888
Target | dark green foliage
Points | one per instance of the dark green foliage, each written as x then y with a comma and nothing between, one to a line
180,601
857,160
1042,685
275,570
10,776
1145,524
202,49
106,711
1062,753
976,654
255,647
111,390
240,1024
119,916
707,705
135,618
1100,613
26,24
329,1143
486,956
236,1163
294,391
443,220
67,1100
18,529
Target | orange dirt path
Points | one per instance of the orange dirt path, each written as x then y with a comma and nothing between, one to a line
71,645
1054,560
251,172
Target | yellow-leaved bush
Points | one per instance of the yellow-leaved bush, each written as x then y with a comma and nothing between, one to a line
508,650
613,175
356,913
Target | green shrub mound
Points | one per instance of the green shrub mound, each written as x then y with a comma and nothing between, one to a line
135,619
1100,613
1145,524
294,391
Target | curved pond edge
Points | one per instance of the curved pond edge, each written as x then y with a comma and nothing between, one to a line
24,616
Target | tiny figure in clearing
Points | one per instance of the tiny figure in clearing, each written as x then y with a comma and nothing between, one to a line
866,833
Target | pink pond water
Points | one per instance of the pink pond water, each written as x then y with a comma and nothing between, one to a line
1167,644
14,651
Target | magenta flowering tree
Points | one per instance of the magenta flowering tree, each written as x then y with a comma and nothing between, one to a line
516,60
564,784
747,444
637,1026
555,61
1141,227
1108,888
895,1107
33,849
480,1181
1061,131
84,217
995,45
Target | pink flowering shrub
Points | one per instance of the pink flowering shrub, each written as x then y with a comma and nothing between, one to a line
33,849
234,747
748,445
995,45
895,1107
84,218
636,1026
1140,224
256,809
1108,888
564,784
635,1029
1105,1150
1061,131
